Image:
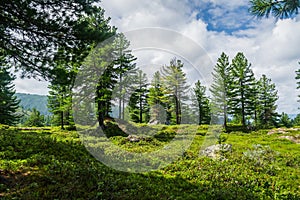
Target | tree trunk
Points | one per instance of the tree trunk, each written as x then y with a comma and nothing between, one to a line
225,117
121,97
100,108
62,120
200,113
141,109
123,106
177,110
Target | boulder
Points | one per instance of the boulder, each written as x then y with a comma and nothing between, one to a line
279,130
133,138
215,151
295,139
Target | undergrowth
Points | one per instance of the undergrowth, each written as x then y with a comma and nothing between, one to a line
54,164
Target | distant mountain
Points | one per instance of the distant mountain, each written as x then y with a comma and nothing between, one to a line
30,101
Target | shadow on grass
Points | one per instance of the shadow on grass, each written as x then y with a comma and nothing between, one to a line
39,166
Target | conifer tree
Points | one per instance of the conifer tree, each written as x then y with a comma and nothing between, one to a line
60,95
138,105
8,101
106,68
267,101
157,100
37,36
35,119
202,103
124,69
241,88
277,8
176,86
220,88
60,104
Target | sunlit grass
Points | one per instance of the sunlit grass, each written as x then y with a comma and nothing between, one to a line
54,164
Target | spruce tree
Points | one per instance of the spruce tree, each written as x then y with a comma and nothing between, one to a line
202,103
241,88
138,105
176,86
35,119
60,104
8,101
220,88
94,85
107,67
60,95
157,100
124,69
267,101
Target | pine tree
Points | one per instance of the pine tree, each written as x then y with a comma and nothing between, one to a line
60,95
278,8
285,120
37,35
242,88
176,86
60,104
190,113
94,85
35,119
157,100
138,105
124,62
296,121
220,88
8,101
202,103
267,98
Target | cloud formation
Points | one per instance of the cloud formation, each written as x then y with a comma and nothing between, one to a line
219,25
216,26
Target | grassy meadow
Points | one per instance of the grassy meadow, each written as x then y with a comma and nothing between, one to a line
54,164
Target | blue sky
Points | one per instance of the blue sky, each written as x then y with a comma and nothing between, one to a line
216,26
220,18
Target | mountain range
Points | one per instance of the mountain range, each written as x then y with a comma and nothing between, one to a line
30,101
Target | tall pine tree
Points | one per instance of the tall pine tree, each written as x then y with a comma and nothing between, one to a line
242,88
202,103
157,100
176,85
60,95
220,88
124,64
267,101
8,101
138,105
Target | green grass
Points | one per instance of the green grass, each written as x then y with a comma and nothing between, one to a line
54,164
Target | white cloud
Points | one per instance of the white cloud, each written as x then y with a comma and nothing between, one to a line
31,86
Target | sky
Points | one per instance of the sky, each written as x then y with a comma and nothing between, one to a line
197,32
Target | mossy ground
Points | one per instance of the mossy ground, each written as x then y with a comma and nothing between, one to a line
54,164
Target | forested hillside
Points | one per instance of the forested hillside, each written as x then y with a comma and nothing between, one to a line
30,101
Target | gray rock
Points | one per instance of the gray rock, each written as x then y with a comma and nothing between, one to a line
133,138
214,151
295,139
